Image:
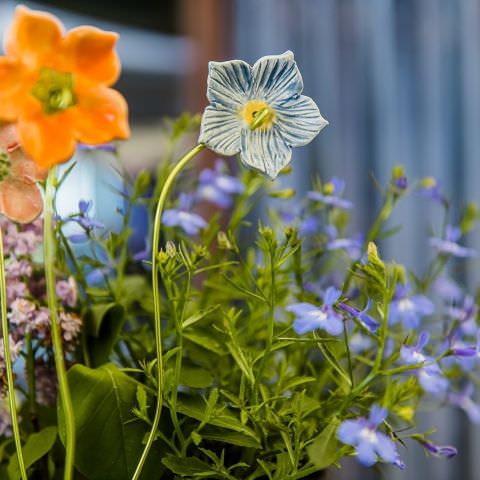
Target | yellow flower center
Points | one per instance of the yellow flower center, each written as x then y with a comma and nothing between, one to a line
4,166
54,90
258,114
329,188
428,182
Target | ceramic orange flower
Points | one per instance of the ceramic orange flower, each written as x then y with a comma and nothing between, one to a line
20,197
55,86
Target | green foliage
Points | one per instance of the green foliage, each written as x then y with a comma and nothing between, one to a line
109,437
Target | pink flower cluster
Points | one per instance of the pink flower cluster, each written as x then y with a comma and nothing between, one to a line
26,302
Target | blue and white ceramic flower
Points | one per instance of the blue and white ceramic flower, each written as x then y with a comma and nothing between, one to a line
259,112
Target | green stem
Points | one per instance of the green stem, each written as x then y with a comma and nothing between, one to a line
8,363
49,261
32,396
156,299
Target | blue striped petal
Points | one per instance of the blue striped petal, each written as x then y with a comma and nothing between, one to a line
220,131
229,83
276,78
299,120
265,150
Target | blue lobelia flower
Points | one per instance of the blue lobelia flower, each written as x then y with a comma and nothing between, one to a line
464,401
449,245
331,194
181,217
84,220
430,376
217,187
466,315
352,246
445,451
409,309
370,444
259,112
430,187
310,317
361,315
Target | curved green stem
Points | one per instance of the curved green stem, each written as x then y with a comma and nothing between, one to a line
156,299
8,363
49,260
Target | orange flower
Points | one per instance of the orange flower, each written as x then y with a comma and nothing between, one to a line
20,198
55,86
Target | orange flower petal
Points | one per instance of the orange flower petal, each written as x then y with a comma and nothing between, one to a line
101,116
11,83
90,52
49,139
19,201
33,36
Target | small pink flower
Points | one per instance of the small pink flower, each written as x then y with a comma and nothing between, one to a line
20,197
15,290
18,268
67,291
21,314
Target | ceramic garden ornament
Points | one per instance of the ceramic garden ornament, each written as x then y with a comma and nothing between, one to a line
259,112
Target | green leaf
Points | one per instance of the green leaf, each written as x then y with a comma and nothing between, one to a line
206,340
195,407
324,451
241,361
103,324
234,438
37,445
109,443
198,316
195,377
192,466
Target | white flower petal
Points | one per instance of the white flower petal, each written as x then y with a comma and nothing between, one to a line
276,78
220,131
265,150
229,83
299,120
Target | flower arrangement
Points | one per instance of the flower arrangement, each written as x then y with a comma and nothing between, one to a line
227,348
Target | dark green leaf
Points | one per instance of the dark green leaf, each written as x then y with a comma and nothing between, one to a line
109,443
37,445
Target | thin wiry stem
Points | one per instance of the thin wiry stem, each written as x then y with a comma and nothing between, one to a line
8,363
49,260
156,300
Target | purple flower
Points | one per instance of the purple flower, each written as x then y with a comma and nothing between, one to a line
15,269
466,315
430,187
445,451
465,402
361,315
306,225
191,223
310,317
105,147
217,187
84,220
449,245
430,376
331,194
370,444
409,309
447,289
401,183
352,246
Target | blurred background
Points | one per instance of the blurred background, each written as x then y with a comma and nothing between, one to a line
398,80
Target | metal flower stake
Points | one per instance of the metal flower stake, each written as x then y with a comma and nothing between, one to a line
258,112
